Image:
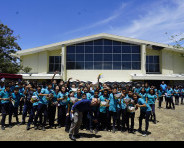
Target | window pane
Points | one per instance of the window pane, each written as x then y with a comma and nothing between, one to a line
107,57
79,65
79,57
156,59
51,67
51,59
116,49
136,65
57,59
126,65
80,44
79,49
151,59
98,65
71,49
108,65
157,68
147,59
151,68
89,57
70,65
126,49
147,67
98,42
98,49
70,57
125,44
88,49
126,57
57,66
136,57
107,42
116,57
107,49
88,65
116,65
116,43
135,49
98,57
89,43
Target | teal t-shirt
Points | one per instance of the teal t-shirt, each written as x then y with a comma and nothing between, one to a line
102,108
176,92
65,96
16,98
113,103
142,102
169,93
151,99
143,96
43,99
4,94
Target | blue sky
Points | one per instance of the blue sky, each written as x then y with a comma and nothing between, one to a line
43,22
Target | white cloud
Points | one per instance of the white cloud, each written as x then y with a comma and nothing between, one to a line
156,21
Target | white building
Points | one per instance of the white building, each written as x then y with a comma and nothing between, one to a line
118,58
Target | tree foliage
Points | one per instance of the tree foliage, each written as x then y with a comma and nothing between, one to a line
8,46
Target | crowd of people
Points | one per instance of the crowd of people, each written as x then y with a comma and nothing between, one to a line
83,105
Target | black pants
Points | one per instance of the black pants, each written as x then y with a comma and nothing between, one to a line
93,125
170,102
145,115
6,109
21,104
176,100
27,109
113,115
123,113
51,114
42,108
131,116
102,121
33,115
62,115
67,122
15,112
182,99
160,102
86,121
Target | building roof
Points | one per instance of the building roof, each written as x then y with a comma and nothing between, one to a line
55,46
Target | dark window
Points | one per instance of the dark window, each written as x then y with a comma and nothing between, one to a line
70,65
116,49
126,57
108,65
98,49
107,57
116,43
54,63
79,49
116,57
71,49
126,65
98,42
108,49
136,49
116,65
136,57
88,49
107,42
89,57
89,43
98,65
89,65
70,57
79,57
126,49
80,65
136,65
152,64
98,57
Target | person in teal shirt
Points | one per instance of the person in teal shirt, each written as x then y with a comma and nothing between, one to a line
145,112
16,96
102,116
147,88
169,98
34,109
5,97
62,106
151,98
143,94
182,95
176,93
113,108
46,94
161,94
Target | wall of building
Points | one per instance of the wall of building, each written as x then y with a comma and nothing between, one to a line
109,75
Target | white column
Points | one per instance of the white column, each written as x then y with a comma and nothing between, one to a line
143,59
63,62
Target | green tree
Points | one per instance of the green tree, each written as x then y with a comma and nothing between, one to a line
8,46
26,69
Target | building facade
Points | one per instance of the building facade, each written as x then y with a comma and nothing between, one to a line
118,58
